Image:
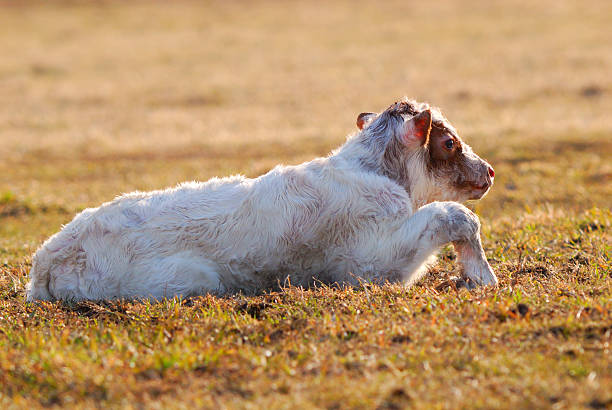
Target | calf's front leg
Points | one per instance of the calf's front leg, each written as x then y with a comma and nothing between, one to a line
439,223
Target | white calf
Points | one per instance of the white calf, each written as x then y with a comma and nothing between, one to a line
366,212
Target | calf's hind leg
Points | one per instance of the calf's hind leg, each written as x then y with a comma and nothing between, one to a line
437,224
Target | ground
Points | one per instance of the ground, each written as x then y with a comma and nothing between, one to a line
100,98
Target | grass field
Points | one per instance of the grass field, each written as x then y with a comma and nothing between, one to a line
100,98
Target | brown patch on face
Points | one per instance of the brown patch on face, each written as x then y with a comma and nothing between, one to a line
455,164
443,145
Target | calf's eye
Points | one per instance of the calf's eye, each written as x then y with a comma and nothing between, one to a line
449,144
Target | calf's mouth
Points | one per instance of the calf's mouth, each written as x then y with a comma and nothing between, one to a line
479,189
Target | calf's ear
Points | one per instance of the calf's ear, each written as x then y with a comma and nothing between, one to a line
417,129
364,119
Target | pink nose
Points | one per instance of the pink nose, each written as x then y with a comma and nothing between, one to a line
491,172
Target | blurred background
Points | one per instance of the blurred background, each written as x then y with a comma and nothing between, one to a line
103,97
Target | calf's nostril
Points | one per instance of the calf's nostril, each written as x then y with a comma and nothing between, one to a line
491,172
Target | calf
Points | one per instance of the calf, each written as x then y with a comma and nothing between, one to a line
367,212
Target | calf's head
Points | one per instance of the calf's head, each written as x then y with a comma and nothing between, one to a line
422,151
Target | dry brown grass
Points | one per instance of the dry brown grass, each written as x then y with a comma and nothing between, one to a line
106,97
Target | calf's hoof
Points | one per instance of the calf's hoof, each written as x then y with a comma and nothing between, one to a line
479,274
